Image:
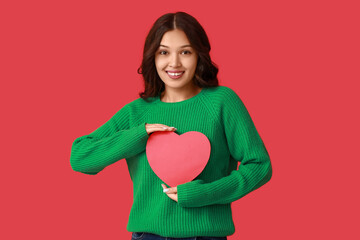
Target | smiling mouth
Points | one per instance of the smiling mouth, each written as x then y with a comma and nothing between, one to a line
175,74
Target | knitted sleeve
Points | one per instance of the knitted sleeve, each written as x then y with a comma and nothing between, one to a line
109,143
246,146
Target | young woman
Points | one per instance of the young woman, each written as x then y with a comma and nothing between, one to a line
181,94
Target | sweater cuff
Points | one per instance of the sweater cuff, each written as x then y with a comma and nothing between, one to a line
192,194
140,137
141,130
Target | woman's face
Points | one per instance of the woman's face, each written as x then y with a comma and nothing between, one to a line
176,54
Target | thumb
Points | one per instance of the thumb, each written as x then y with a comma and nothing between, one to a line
166,189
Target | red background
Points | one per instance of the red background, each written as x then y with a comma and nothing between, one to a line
68,66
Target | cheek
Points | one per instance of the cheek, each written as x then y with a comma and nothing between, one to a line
193,63
159,64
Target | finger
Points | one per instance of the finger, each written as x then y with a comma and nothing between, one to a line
168,128
169,190
166,189
161,127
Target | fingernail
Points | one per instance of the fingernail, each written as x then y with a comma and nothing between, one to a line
165,190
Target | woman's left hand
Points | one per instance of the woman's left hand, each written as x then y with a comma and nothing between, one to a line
172,192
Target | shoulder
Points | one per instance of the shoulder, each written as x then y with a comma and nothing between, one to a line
140,105
221,95
228,93
226,103
220,100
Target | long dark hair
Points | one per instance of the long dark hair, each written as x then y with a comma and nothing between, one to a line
206,70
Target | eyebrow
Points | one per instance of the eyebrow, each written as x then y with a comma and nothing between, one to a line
180,46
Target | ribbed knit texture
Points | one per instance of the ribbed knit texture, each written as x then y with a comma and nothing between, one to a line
204,204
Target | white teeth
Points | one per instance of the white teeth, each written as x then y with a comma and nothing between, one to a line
175,74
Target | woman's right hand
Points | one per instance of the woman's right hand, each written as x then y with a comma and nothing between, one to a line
157,127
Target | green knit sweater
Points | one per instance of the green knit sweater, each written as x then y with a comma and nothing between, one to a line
204,204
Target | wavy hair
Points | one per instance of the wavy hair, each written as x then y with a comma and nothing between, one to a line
206,70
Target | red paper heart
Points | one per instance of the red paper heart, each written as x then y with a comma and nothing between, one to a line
177,159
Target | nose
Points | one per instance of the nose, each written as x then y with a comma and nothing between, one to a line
174,61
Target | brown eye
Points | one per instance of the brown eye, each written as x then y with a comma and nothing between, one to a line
186,52
162,52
